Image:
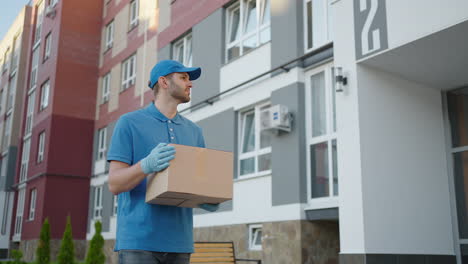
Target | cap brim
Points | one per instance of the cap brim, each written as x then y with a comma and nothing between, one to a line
194,72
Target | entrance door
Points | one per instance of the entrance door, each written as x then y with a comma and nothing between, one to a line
457,108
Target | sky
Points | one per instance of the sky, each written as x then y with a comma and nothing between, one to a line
8,12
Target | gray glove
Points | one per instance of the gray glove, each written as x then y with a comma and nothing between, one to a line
158,159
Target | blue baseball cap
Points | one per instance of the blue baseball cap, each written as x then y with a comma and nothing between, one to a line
166,67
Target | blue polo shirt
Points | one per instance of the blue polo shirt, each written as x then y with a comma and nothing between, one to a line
142,226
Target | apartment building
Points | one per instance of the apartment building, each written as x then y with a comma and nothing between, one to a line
366,165
14,51
371,169
57,121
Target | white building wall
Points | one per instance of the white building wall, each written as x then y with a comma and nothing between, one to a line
349,161
404,166
411,20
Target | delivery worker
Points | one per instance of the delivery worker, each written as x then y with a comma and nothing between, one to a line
151,233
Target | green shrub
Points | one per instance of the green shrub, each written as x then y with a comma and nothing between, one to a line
95,254
67,252
43,249
16,255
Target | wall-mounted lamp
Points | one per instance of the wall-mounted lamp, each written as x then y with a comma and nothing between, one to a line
340,79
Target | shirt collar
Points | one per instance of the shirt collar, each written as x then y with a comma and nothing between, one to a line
154,111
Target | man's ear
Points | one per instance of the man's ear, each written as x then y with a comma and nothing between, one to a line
162,81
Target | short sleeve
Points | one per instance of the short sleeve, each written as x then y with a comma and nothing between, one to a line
201,139
121,145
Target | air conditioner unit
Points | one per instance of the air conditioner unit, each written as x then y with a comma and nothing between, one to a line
276,118
50,11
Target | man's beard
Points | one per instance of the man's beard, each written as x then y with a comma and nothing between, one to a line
178,93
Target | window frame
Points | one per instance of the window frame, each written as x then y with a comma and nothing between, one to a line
128,77
97,210
183,42
45,95
32,204
109,35
253,235
133,21
330,135
34,67
105,90
258,151
39,20
30,113
41,147
328,25
102,143
25,160
19,214
47,47
243,36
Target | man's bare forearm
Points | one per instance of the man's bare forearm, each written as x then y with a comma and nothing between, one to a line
123,177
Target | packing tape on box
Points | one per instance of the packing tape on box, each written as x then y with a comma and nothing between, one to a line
201,164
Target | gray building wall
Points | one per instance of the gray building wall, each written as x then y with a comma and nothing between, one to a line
207,48
11,169
287,33
288,161
90,206
107,206
165,53
220,132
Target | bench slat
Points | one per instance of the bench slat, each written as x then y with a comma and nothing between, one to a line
212,254
204,260
213,245
202,250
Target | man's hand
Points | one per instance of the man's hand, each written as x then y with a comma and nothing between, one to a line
158,159
209,207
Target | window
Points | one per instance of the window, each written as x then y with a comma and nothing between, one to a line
39,18
1,99
7,132
40,149
53,3
102,134
321,134
97,203
30,112
105,88
247,27
32,204
255,237
109,35
318,23
255,145
182,50
116,204
15,55
25,160
48,43
6,60
35,63
11,92
44,95
128,72
19,214
133,14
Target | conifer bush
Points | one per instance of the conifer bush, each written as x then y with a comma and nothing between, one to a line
43,249
67,251
95,252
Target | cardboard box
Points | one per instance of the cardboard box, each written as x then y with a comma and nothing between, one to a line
194,176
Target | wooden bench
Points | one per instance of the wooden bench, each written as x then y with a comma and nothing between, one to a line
216,252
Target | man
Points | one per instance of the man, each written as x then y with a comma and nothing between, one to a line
150,233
